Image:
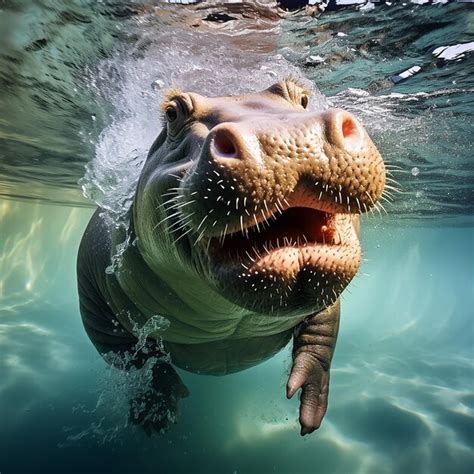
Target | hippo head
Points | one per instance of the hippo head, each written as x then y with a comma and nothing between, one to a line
258,197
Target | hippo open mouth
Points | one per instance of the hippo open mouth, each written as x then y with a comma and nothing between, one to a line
293,245
295,227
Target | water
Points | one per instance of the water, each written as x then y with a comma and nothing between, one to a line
81,84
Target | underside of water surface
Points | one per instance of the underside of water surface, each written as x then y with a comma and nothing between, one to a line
81,87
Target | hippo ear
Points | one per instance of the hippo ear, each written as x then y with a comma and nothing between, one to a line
293,91
170,95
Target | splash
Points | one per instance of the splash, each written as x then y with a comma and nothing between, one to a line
122,389
154,326
119,388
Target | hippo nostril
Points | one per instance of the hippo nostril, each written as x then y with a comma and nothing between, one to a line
351,132
223,145
348,127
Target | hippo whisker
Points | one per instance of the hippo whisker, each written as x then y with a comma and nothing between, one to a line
370,197
387,164
182,204
184,234
224,234
279,206
379,204
166,218
202,222
170,198
249,256
388,195
379,212
389,173
265,220
175,189
201,235
256,223
369,212
266,207
180,228
180,224
393,188
388,200
172,193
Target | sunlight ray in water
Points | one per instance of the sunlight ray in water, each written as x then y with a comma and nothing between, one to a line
23,259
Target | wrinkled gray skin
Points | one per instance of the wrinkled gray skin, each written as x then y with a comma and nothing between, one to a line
245,229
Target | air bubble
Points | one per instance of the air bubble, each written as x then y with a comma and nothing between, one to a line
157,85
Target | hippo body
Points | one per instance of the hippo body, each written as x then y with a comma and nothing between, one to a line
109,314
243,233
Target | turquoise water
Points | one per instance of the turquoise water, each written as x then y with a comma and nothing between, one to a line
81,86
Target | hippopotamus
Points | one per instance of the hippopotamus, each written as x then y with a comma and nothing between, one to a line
243,233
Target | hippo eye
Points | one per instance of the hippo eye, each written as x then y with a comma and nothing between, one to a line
304,101
171,114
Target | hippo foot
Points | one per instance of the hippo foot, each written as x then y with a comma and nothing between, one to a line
156,408
309,374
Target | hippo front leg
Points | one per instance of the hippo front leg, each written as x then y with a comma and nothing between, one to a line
313,348
155,408
155,405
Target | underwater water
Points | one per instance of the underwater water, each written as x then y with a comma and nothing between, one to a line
81,85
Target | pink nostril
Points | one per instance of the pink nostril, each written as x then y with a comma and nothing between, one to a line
351,132
348,127
223,145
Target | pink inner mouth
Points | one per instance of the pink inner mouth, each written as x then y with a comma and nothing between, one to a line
295,227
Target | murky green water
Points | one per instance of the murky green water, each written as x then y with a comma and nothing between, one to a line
76,90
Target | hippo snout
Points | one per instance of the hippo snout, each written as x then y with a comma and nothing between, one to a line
289,137
255,162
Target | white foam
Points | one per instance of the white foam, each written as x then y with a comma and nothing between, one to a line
451,53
